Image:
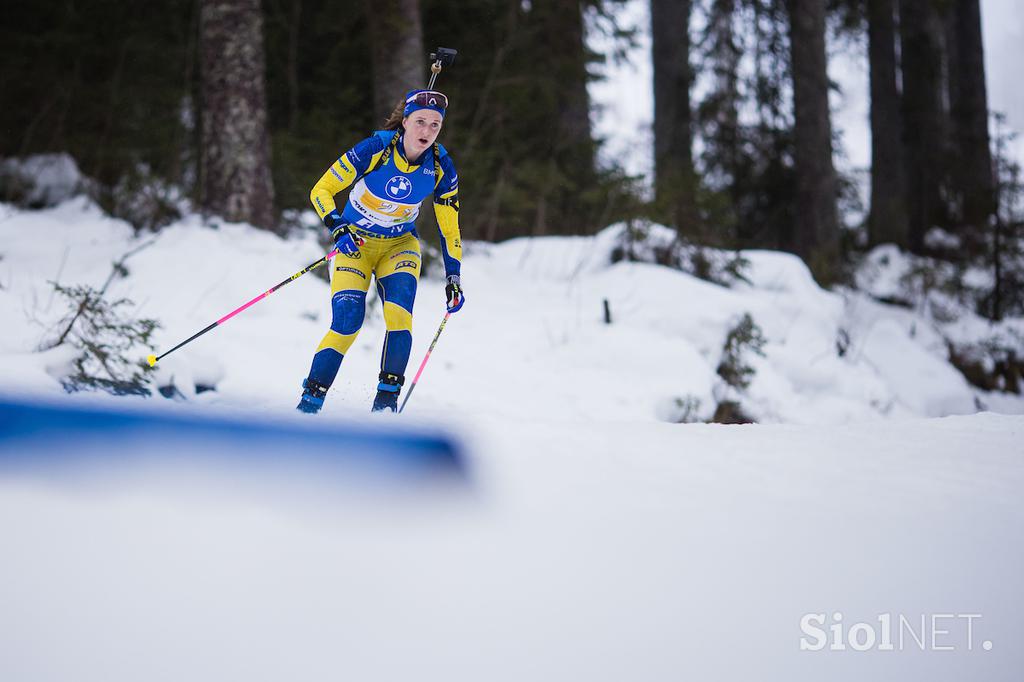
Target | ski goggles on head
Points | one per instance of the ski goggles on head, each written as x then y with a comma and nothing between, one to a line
425,99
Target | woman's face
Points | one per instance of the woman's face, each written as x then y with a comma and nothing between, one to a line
421,129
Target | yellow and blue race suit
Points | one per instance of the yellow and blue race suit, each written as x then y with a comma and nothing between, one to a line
382,207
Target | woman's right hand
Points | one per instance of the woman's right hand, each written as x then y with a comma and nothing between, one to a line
345,240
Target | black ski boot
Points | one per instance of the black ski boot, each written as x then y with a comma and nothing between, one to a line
387,392
312,396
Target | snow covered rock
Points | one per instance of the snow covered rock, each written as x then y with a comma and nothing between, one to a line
39,181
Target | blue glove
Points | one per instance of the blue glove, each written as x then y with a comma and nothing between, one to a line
341,233
454,293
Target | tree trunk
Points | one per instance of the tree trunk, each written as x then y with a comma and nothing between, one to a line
675,179
560,58
294,35
817,222
235,167
925,144
396,34
972,173
887,222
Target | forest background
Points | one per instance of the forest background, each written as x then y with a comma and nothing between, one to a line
237,106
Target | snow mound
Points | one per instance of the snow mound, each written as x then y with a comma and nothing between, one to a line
40,181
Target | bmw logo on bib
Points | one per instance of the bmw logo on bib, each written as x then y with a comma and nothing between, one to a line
399,187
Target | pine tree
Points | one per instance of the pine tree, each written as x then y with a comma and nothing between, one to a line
717,115
557,29
319,89
748,180
108,86
518,125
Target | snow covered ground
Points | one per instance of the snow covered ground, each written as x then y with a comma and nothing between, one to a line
532,340
594,540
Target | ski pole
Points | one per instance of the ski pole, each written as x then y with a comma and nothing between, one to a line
425,358
153,359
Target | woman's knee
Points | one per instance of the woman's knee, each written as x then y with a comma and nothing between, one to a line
398,292
399,288
348,309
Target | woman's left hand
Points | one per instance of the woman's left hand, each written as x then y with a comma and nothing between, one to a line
453,291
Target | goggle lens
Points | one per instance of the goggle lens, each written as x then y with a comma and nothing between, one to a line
429,98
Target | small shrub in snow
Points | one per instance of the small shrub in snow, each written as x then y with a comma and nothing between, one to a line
922,277
644,242
745,336
1004,295
686,410
940,290
946,289
735,370
950,298
995,364
105,340
142,199
842,342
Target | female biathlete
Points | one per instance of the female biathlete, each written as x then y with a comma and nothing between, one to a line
393,170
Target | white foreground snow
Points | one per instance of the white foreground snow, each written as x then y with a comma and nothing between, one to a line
585,550
594,542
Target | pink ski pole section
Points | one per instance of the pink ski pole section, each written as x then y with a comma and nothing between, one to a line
427,356
235,312
270,291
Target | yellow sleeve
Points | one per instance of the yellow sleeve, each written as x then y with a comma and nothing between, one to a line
447,212
339,176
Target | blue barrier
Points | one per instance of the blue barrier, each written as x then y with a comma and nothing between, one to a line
38,436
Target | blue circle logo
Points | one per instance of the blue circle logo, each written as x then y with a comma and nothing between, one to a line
398,187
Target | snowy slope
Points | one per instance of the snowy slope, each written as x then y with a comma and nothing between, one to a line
589,550
597,542
532,338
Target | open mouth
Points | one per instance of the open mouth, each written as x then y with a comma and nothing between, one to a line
423,141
